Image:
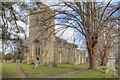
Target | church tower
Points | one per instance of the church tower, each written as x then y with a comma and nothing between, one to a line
41,35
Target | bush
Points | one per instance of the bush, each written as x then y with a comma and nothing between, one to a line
9,56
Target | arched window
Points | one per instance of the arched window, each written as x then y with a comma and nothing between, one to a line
36,47
38,51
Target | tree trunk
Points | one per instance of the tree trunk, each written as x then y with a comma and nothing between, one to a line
2,50
92,56
104,59
93,64
20,60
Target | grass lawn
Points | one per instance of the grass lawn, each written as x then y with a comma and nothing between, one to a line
88,74
68,66
9,70
41,72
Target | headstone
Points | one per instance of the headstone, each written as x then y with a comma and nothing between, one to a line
55,64
4,61
24,61
41,64
111,71
7,61
18,60
10,61
50,65
111,62
0,60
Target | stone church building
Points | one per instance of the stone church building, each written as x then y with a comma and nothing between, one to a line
44,45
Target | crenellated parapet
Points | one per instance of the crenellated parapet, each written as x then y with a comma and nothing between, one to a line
40,9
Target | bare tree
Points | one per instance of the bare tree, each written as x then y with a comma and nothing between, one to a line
108,41
88,19
10,29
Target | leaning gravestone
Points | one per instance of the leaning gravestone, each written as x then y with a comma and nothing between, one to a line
54,64
111,71
50,65
41,64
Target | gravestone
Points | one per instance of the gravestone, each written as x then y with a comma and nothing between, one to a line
0,60
50,65
4,61
111,71
11,61
55,64
111,62
18,60
7,61
24,61
41,64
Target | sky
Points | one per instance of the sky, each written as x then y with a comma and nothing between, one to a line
65,36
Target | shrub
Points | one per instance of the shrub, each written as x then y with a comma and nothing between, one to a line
9,56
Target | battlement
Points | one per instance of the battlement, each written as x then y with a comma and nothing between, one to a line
40,9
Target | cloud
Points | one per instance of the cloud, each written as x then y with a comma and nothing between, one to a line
25,27
67,35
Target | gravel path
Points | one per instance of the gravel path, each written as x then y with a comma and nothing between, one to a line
20,72
67,74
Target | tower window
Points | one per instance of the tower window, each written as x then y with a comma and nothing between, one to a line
36,51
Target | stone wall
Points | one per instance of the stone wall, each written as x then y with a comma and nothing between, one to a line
68,52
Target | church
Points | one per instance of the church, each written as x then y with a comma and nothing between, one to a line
44,45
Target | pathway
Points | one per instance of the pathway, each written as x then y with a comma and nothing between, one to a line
67,74
20,72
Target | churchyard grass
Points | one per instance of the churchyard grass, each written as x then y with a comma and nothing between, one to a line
82,66
88,74
41,72
102,68
9,70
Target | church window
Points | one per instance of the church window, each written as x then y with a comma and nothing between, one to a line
36,51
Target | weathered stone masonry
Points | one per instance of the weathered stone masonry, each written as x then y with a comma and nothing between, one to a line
43,43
